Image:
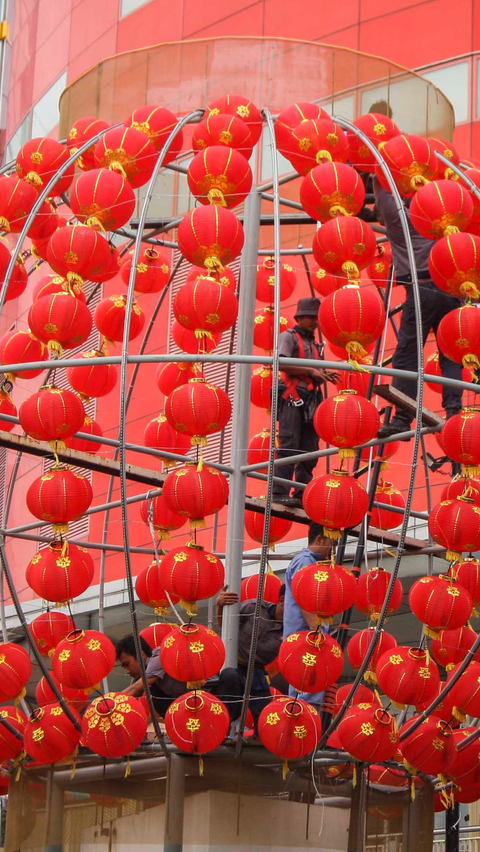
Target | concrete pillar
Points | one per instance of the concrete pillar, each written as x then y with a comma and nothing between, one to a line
54,814
175,805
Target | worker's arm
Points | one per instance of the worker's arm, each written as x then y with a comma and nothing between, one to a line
313,373
311,619
136,688
225,598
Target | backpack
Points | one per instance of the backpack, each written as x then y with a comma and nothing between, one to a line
270,634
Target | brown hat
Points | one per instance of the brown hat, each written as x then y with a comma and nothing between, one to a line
307,308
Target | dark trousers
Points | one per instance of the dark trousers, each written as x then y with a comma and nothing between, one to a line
295,435
434,305
228,688
259,694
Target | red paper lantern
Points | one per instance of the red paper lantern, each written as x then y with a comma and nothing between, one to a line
407,676
114,725
467,574
226,276
115,263
455,524
271,587
163,520
161,436
352,318
379,129
386,776
192,654
53,283
205,306
363,695
454,264
336,501
153,269
60,572
191,573
15,671
290,117
372,590
462,485
325,589
266,280
313,142
244,108
157,123
344,245
465,693
389,450
325,283
443,710
345,421
102,199
369,733
263,328
210,236
261,387
440,208
379,268
452,645
223,129
358,646
220,175
330,190
92,380
171,375
255,524
109,318
58,496
441,146
19,277
48,629
80,132
52,414
49,735
195,491
17,198
474,175
289,727
83,445
7,407
259,451
79,253
83,659
430,748
197,722
60,321
383,519
465,766
440,603
10,745
432,368
186,340
198,409
411,161
151,590
39,160
155,633
460,440
310,661
127,151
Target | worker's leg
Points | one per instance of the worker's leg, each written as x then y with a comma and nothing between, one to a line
289,436
309,443
451,396
229,688
260,696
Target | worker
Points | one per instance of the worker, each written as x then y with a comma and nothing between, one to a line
434,305
299,394
295,619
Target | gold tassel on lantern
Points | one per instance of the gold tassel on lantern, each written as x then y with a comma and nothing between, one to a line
161,610
127,768
203,332
216,196
335,534
453,555
285,770
198,441
470,470
55,348
195,684
189,607
355,350
411,769
469,291
354,777
197,524
412,789
458,714
346,453
20,696
429,631
370,677
213,264
93,222
201,767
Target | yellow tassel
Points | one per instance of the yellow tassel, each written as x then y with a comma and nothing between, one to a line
202,332
195,684
354,779
57,445
74,768
324,622
353,347
4,224
335,534
115,166
161,610
55,348
338,210
164,535
127,768
198,524
398,705
469,290
377,696
216,196
412,789
370,677
201,767
34,179
213,263
189,607
346,453
450,666
198,441
60,529
389,553
446,799
10,377
475,612
18,773
51,652
458,714
351,269
322,155
95,224
453,556
285,770
451,229
74,279
20,695
433,634
470,470
412,769
200,464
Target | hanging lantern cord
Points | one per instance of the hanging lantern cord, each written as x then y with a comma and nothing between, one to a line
156,554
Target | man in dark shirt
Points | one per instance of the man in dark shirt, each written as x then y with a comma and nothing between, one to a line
298,396
434,305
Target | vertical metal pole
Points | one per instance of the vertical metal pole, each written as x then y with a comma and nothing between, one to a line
358,813
452,829
240,423
54,815
174,805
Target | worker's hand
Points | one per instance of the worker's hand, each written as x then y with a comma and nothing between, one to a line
325,376
226,598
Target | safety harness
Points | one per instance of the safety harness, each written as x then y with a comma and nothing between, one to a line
291,382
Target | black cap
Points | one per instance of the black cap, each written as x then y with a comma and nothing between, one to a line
307,308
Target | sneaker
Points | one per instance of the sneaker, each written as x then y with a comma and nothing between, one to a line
451,412
288,502
395,427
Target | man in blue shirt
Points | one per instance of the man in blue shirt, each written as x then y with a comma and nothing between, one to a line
295,618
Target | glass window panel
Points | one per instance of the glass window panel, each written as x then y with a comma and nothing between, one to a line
21,135
45,112
127,6
162,199
453,81
343,107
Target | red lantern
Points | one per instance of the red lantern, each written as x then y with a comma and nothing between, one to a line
430,748
460,440
383,519
411,161
432,368
378,270
271,587
186,340
153,269
102,199
171,375
372,589
210,236
452,645
223,129
163,520
440,208
83,445
455,524
115,263
387,777
291,116
325,283
45,222
52,414
358,646
114,725
19,277
244,108
467,574
195,491
474,175
264,326
465,693
454,264
443,710
161,436
259,451
407,676
441,146
79,253
261,387
205,306
463,486
157,123
226,276
289,727
17,198
344,245
198,409
197,722
336,501
191,573
61,321
10,745
379,129
80,132
345,421
155,633
310,661
92,380
7,407
60,572
465,767
363,695
15,671
83,659
220,175
127,151
315,141
266,281
352,318
109,318
369,733
151,590
325,589
192,654
330,190
48,629
440,603
255,524
52,283
39,160
389,450
58,496
49,735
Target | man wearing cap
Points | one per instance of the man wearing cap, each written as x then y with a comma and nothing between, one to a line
298,396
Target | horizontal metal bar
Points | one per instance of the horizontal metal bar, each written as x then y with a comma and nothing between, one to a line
90,545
